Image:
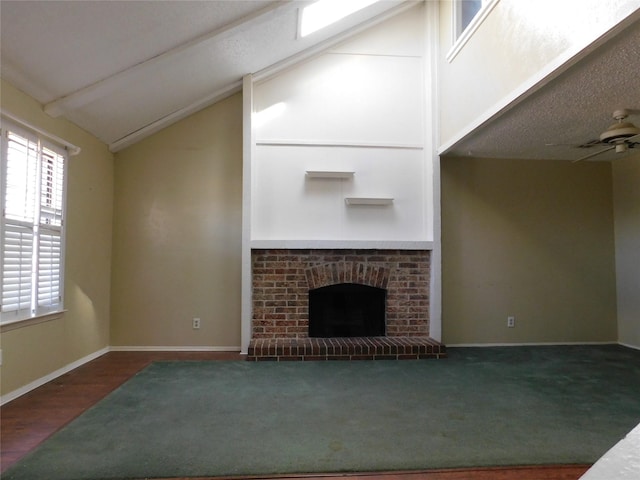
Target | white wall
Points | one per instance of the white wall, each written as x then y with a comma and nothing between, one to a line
360,108
626,202
520,43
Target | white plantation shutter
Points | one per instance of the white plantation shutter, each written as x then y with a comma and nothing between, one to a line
31,239
49,260
51,188
16,270
21,178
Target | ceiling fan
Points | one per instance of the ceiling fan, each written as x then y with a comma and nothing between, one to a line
620,136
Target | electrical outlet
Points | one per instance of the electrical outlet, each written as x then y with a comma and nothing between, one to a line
196,323
511,321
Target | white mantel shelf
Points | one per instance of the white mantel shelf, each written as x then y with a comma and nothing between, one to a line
346,244
264,142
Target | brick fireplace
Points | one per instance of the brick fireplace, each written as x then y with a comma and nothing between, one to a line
282,279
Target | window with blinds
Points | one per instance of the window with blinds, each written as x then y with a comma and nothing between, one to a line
32,228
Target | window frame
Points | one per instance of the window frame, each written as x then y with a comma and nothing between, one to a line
460,36
36,312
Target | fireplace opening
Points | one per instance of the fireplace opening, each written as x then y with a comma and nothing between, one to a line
347,310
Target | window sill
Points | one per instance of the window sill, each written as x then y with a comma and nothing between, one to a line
27,322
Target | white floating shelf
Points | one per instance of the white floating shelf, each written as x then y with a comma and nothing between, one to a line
380,201
328,174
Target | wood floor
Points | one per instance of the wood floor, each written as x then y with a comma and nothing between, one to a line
32,418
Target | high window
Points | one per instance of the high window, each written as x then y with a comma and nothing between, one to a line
322,13
467,16
32,227
466,10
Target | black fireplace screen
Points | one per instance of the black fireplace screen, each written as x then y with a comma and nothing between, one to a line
347,310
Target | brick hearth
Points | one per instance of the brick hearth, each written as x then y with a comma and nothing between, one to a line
354,348
282,279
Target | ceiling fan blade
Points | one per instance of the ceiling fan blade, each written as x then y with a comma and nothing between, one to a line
593,154
572,145
589,144
635,140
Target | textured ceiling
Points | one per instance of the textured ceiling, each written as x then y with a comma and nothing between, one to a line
65,46
570,110
125,69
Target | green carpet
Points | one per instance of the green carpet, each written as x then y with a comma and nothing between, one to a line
479,407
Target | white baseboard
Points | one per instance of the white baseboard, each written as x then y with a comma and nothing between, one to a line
628,345
535,344
133,348
51,376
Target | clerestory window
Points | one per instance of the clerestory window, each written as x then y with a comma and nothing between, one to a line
467,15
465,12
33,190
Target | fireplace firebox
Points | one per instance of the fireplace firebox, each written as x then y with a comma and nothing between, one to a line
347,310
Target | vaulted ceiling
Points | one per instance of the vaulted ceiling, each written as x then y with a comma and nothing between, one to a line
125,69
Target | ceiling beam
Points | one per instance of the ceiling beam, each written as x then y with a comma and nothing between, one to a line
120,79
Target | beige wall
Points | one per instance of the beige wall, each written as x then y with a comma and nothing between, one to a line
626,195
177,233
32,352
533,239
